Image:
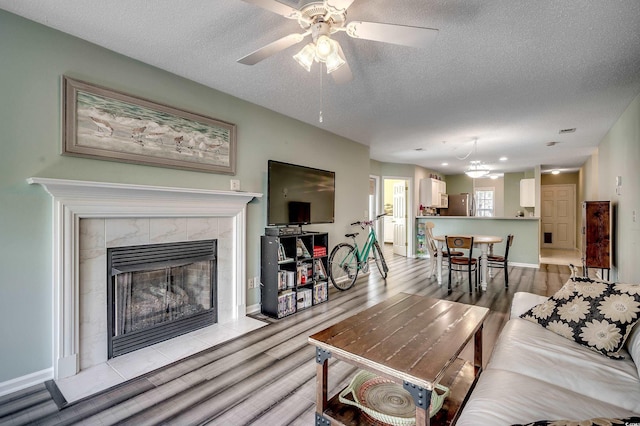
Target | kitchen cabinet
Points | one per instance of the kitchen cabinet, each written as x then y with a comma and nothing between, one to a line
527,192
433,193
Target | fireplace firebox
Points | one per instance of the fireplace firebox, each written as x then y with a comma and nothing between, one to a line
159,291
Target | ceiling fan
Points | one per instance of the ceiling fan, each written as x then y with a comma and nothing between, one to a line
321,19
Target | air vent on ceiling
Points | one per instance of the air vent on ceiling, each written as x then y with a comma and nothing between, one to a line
562,131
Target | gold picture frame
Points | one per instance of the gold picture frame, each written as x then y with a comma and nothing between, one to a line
109,125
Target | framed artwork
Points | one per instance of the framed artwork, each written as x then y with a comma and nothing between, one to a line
109,125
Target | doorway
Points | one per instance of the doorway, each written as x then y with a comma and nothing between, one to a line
375,204
396,231
558,216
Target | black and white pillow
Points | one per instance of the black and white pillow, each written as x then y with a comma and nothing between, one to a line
596,314
600,421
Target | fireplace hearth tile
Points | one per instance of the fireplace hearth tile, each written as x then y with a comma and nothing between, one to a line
181,346
134,364
216,334
92,380
139,362
244,325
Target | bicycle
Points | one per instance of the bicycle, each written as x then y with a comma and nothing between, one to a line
346,260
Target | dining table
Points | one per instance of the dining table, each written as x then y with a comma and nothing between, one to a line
483,242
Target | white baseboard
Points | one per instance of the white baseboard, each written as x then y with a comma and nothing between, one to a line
253,309
525,265
23,382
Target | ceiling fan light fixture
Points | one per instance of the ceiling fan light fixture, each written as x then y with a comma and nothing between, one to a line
306,56
324,48
334,61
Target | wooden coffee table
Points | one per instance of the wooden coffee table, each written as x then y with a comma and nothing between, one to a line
412,340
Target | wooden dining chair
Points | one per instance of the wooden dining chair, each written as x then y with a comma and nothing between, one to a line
466,263
432,248
502,262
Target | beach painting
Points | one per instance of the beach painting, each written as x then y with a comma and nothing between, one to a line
110,125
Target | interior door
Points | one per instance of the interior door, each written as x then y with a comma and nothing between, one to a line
374,203
400,218
558,216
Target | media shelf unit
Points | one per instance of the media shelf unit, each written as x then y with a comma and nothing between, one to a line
293,272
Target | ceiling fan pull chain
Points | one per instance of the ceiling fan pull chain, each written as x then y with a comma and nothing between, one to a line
321,100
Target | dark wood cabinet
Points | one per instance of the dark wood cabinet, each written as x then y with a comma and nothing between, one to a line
596,235
293,272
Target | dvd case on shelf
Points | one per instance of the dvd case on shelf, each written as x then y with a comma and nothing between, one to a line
305,297
286,303
319,251
282,280
319,271
282,255
320,290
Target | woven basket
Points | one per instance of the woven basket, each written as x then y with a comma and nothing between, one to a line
386,401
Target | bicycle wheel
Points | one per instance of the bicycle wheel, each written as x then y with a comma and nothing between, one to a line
343,266
380,262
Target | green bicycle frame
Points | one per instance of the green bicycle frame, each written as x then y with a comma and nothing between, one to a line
361,255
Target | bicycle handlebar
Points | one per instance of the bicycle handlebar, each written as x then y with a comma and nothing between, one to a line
364,223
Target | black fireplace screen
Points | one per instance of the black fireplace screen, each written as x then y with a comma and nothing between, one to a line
160,291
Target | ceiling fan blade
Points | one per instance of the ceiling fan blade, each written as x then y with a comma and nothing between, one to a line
343,74
338,5
403,35
276,7
271,49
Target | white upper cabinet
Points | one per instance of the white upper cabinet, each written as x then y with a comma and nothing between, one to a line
432,191
527,192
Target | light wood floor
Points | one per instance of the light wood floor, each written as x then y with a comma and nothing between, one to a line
267,377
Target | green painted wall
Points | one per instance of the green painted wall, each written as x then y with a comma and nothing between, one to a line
619,155
512,193
34,58
458,184
560,179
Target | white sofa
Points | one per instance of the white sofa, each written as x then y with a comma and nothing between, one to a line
534,374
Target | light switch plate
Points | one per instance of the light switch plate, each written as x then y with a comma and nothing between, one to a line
235,185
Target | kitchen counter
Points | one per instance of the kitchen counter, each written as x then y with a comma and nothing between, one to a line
524,252
479,217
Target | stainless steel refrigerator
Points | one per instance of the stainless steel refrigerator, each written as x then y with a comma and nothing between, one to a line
460,205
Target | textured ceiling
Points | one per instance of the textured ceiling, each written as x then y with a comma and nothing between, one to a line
511,73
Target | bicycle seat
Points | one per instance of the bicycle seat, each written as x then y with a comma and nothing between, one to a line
355,234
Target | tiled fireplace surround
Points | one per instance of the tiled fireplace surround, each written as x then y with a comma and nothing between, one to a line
90,217
99,234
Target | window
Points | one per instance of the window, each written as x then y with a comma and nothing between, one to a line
485,201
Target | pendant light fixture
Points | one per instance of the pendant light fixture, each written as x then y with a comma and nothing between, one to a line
477,169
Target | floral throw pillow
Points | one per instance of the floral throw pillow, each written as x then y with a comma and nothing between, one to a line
596,314
591,422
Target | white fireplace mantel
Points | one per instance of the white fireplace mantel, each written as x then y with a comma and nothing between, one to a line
73,200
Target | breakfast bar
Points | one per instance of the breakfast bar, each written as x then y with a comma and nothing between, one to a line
524,252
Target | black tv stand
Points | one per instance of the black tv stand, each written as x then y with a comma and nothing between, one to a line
293,272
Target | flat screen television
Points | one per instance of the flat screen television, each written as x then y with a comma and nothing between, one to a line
299,195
